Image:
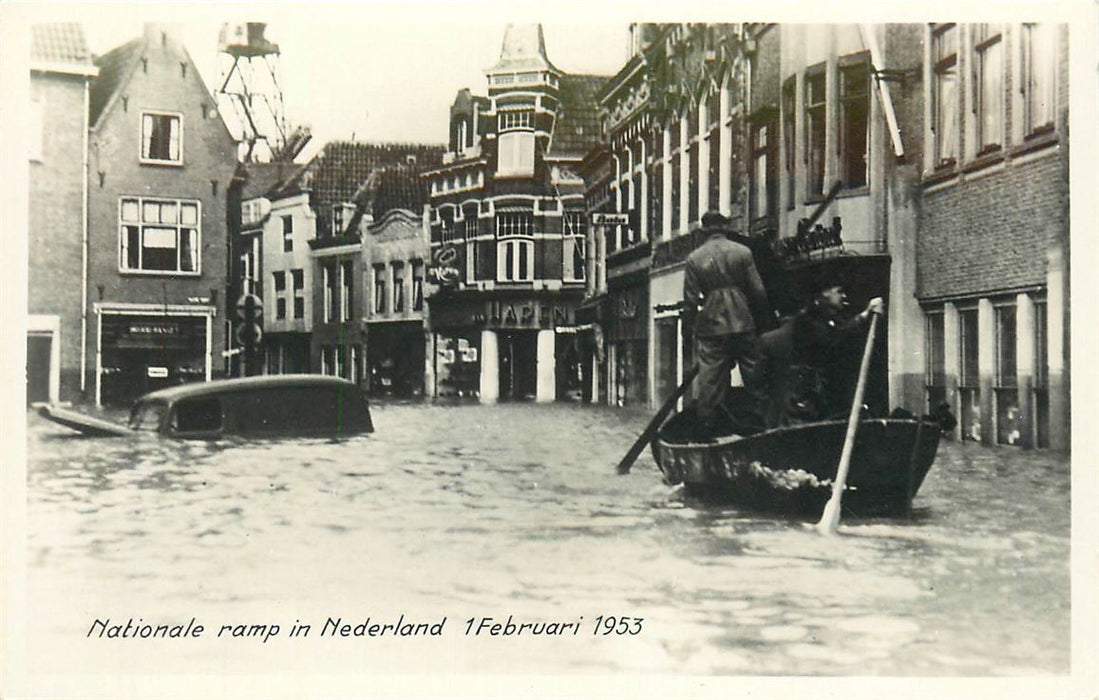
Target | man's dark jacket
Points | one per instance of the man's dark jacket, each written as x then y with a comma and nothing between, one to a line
721,277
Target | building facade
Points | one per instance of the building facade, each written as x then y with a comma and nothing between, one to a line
161,168
992,275
508,230
57,236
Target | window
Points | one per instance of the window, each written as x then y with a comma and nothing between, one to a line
287,234
854,119
197,416
398,287
944,94
159,235
337,220
517,224
446,224
761,197
161,138
471,231
347,277
969,385
572,256
1008,416
1038,83
379,289
516,261
935,356
515,154
814,133
299,292
247,273
417,285
988,74
328,282
279,279
789,131
328,359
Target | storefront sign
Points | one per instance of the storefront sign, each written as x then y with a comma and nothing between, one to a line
611,219
443,270
154,329
157,372
532,313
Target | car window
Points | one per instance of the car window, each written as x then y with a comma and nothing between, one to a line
197,416
146,416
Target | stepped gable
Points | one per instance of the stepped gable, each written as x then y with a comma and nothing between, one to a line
577,128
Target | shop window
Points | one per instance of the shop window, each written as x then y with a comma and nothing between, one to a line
287,234
1009,422
159,235
969,392
418,285
515,152
854,112
379,289
1039,80
815,130
298,277
935,356
279,279
161,138
988,74
944,94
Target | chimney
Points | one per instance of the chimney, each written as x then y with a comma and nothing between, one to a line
162,34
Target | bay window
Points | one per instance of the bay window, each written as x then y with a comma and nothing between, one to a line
515,149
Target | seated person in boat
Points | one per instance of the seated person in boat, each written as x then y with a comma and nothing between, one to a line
808,357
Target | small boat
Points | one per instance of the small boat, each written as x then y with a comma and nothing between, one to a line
791,469
288,405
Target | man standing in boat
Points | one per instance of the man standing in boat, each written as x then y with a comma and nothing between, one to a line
724,303
809,356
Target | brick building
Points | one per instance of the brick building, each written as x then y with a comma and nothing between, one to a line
57,236
992,274
161,169
508,229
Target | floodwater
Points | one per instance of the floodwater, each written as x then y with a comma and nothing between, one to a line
471,512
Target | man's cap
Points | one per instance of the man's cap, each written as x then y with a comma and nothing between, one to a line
715,220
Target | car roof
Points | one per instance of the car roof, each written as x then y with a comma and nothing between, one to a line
228,386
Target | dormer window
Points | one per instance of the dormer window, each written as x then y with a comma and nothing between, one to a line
162,138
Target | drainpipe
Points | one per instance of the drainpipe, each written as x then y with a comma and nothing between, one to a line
84,250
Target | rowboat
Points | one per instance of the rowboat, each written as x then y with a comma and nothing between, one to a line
790,469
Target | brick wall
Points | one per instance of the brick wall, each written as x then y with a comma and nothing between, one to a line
978,236
55,247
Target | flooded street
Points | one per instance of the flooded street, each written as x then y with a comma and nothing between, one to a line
467,512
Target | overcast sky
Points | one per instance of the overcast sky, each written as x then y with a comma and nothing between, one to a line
362,71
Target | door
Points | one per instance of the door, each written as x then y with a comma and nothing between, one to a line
39,348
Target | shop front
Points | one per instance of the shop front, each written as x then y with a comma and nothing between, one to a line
627,341
504,345
395,358
140,350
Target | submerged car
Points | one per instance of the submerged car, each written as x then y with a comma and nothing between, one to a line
268,406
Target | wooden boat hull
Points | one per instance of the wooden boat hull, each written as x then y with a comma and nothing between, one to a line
791,469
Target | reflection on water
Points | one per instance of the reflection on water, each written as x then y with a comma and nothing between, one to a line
490,511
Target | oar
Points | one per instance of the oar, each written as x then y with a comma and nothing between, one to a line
830,519
655,423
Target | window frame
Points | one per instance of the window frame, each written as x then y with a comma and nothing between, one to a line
1026,88
845,102
148,159
573,232
287,233
985,38
278,284
298,275
946,65
816,113
142,225
515,138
